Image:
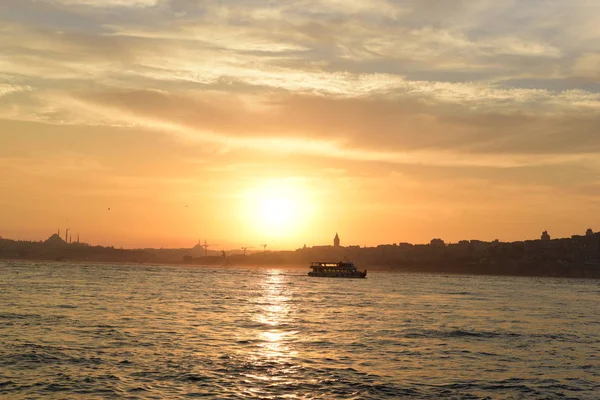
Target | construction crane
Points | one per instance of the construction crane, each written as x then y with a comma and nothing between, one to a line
206,246
245,248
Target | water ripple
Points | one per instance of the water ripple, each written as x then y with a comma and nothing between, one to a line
145,332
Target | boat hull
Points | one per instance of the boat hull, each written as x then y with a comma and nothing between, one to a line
357,274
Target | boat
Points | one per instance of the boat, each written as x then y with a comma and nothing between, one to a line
336,270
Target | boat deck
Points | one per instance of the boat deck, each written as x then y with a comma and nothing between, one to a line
335,270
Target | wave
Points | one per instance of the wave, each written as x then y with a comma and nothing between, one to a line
481,334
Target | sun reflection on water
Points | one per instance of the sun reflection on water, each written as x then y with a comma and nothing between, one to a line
274,311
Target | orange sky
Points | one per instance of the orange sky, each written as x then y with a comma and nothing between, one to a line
246,123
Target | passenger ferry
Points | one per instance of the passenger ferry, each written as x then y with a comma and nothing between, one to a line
336,270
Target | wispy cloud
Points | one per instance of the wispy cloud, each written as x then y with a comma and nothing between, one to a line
400,82
107,3
8,89
83,112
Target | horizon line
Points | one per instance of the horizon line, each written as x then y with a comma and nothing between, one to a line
322,245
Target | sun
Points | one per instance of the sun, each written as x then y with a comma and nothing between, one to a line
277,212
277,209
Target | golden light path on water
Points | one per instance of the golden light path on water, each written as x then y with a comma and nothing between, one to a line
272,314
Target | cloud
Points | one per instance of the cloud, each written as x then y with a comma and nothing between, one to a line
400,82
118,60
232,126
236,38
6,89
107,3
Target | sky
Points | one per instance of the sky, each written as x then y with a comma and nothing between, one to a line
140,123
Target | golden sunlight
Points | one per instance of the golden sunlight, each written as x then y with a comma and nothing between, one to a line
277,212
277,209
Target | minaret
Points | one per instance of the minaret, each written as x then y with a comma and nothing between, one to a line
336,240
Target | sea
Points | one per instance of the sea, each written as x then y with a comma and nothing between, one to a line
103,331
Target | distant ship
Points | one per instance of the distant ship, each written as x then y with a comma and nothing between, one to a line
336,270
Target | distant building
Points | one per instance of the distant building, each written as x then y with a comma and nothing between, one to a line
336,240
545,235
437,243
589,232
55,240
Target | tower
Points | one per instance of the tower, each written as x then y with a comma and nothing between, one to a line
336,240
545,236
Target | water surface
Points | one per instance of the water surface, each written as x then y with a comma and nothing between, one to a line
84,331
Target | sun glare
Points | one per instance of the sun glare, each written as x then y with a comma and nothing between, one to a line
277,209
277,212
